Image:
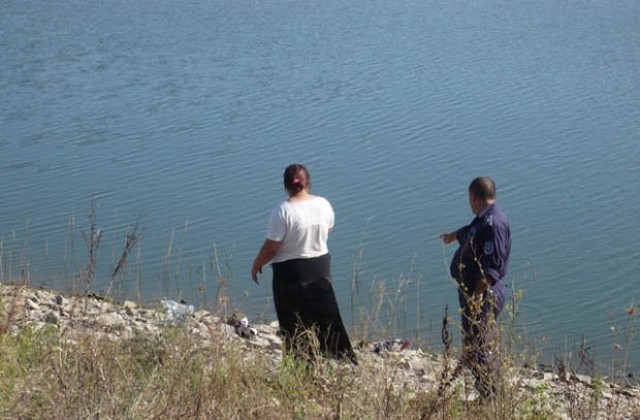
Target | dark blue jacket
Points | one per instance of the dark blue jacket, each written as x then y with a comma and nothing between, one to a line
484,249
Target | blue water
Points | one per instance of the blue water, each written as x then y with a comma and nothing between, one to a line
183,115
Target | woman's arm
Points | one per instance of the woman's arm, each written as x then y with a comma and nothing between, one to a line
268,250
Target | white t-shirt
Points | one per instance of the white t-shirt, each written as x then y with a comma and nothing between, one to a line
302,227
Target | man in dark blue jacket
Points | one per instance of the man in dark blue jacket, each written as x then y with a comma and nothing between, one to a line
479,267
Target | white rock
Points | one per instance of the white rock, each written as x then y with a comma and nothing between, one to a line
537,374
631,392
531,383
111,319
229,330
202,314
582,378
129,304
259,342
32,305
149,328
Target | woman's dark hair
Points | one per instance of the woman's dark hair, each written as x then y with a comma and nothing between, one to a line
296,178
484,188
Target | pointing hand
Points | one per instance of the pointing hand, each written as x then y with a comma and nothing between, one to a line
447,238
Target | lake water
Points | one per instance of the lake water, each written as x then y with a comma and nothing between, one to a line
183,115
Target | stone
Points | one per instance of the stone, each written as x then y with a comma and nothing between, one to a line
418,371
202,315
32,304
532,383
110,319
538,375
581,378
631,392
129,304
259,342
149,328
51,318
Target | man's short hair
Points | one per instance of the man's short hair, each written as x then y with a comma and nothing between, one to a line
484,188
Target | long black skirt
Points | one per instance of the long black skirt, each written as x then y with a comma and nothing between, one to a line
307,309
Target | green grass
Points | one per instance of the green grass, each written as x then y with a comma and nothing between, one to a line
172,375
43,374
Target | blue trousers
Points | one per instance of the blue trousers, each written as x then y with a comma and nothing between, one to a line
480,336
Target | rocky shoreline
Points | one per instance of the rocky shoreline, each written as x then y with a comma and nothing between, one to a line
76,317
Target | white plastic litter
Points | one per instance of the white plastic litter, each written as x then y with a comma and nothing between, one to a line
175,310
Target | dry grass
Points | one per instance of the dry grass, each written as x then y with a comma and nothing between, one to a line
45,374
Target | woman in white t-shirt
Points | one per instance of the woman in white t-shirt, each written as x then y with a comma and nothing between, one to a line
296,245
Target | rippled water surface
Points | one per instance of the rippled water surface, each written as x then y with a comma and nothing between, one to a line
183,115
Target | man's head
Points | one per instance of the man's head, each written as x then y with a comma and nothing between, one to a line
482,193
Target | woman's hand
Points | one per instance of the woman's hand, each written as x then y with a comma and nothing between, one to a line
255,270
268,250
